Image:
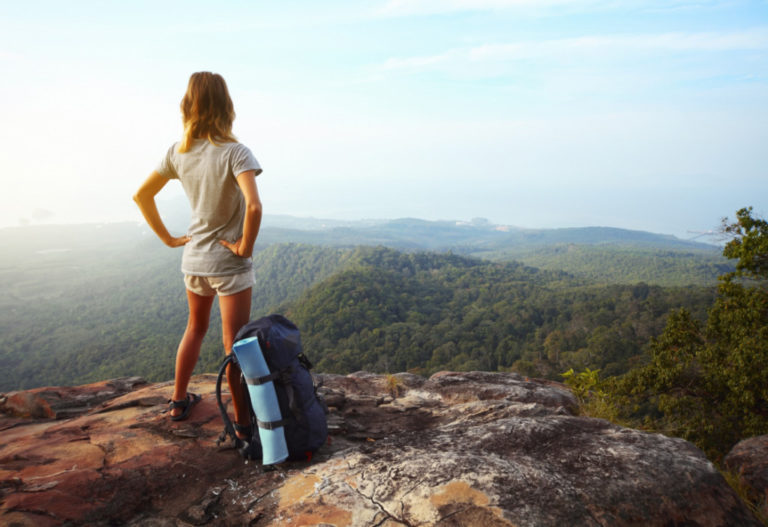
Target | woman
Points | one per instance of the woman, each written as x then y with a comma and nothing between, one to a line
219,178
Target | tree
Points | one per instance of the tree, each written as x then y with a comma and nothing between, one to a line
710,384
749,245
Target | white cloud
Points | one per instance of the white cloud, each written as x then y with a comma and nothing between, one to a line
422,7
394,8
7,56
605,45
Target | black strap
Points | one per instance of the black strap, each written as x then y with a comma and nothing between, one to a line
256,381
229,429
271,425
284,377
244,430
304,361
290,392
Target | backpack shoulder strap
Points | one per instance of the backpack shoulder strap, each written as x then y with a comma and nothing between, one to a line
229,429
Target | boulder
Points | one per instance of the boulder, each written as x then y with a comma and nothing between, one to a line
65,401
489,449
749,461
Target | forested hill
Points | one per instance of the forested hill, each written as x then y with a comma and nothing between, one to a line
605,255
479,234
620,264
85,303
424,312
601,254
71,317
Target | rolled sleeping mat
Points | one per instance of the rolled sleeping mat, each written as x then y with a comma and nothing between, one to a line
263,398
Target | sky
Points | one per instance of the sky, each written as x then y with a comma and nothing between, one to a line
640,114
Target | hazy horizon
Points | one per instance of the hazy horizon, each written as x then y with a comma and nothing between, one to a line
170,212
649,116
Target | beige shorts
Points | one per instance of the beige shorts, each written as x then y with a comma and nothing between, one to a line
219,285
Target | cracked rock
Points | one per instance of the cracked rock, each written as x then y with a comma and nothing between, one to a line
457,449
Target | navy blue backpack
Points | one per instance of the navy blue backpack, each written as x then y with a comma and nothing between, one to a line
303,410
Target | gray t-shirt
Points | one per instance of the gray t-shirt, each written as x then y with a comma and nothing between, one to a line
208,174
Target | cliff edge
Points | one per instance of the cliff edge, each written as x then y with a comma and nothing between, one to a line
457,449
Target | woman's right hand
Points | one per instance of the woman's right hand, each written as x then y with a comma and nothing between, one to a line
237,248
145,199
177,242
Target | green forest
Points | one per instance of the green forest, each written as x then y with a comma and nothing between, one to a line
703,380
623,264
640,326
72,317
423,312
122,312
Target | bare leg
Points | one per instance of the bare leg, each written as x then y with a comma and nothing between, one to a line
235,313
189,347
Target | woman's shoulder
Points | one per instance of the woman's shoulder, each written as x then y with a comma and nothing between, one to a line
237,150
242,159
172,152
235,146
173,148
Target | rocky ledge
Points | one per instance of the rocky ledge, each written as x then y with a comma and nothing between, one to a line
458,449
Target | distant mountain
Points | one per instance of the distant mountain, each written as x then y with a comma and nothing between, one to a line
603,254
477,235
88,302
465,237
81,312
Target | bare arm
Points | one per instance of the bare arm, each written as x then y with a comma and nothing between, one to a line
252,221
145,199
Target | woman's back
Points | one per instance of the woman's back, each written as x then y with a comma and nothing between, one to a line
208,174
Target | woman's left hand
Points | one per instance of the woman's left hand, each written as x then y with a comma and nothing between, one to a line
237,247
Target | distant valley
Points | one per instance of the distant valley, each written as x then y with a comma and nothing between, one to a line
88,302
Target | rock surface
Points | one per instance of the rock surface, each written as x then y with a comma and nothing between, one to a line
749,460
457,449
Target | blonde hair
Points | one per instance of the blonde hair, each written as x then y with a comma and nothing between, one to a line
207,110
